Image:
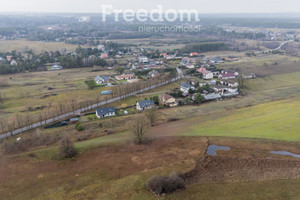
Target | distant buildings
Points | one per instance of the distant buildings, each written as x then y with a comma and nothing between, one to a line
104,55
55,67
143,59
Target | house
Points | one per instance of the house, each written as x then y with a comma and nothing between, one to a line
201,70
153,74
144,105
104,55
229,83
186,61
216,60
13,62
105,112
249,76
101,79
8,58
143,59
228,74
207,75
125,77
224,89
185,87
212,96
167,100
194,54
101,47
55,67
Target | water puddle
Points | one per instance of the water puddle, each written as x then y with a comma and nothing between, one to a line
211,150
285,153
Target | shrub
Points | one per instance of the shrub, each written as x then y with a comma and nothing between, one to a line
165,185
79,127
66,148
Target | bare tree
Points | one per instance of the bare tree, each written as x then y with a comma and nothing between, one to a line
151,114
139,130
66,148
241,81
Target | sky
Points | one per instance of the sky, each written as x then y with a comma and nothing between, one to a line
203,6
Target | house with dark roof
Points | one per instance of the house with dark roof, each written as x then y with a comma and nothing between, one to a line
185,87
105,112
144,105
153,74
101,79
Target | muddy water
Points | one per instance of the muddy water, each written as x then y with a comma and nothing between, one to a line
212,149
285,153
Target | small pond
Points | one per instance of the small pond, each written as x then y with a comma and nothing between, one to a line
212,149
285,153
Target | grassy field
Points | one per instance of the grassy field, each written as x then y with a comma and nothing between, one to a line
38,47
46,88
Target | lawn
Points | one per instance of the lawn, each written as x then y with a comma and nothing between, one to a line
275,120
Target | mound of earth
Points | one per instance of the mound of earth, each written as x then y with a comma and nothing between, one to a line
218,169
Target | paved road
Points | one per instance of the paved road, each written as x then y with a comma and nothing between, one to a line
282,44
77,112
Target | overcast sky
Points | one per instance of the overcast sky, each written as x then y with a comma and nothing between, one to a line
203,6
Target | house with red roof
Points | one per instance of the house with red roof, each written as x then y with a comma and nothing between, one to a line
125,77
193,54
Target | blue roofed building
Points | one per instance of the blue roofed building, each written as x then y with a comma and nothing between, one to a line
101,79
144,105
105,112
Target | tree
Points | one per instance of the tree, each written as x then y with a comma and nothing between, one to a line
120,70
241,81
198,98
66,148
139,130
151,114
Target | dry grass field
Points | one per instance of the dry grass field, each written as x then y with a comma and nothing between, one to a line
36,46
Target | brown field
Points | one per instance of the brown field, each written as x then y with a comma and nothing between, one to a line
38,47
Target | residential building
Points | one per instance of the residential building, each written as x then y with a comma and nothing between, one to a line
101,79
125,77
194,54
185,87
104,55
144,105
105,112
207,75
143,59
153,74
167,100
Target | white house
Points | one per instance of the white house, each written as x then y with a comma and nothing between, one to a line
105,112
101,79
143,59
185,87
144,105
207,75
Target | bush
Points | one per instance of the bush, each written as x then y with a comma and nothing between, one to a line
165,185
66,148
79,127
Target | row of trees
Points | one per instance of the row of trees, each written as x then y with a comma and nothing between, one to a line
61,107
